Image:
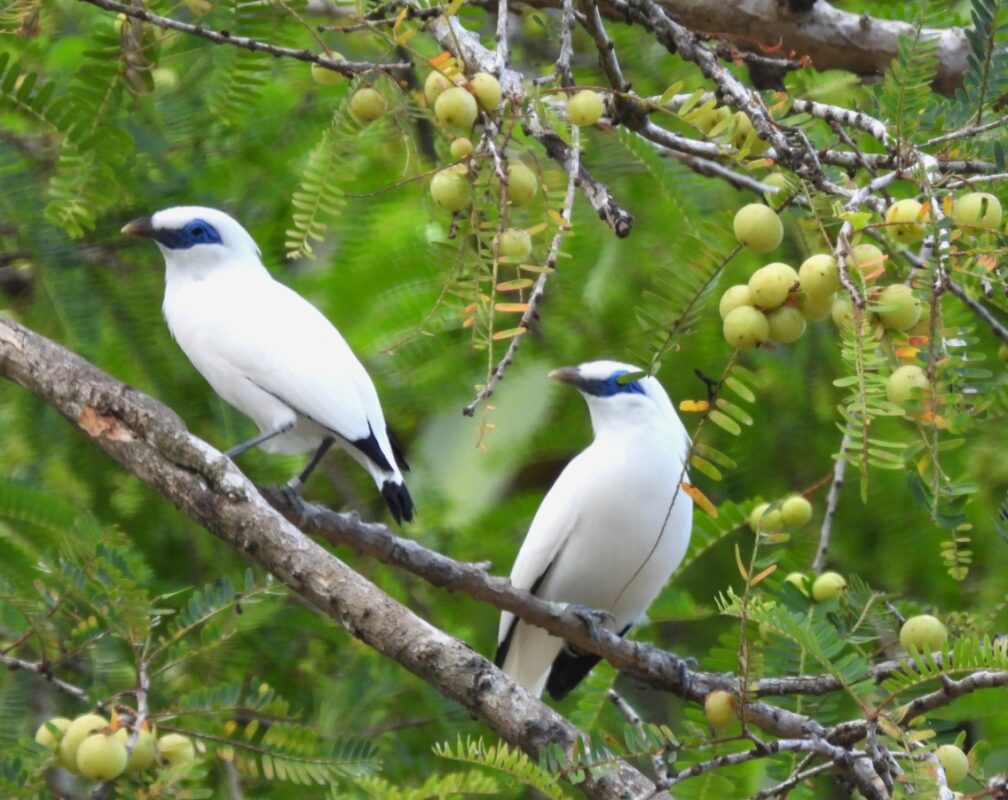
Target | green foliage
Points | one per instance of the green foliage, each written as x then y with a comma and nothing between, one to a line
906,90
503,758
986,76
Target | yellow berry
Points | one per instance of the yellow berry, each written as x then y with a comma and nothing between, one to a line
745,328
977,210
954,762
46,737
923,632
758,227
899,309
734,297
787,324
795,511
76,732
514,244
456,107
828,586
435,84
819,276
487,90
585,108
903,219
325,76
906,382
461,147
450,190
762,520
522,185
367,104
719,708
769,286
175,749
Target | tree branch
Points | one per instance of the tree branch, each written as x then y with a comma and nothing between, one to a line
150,441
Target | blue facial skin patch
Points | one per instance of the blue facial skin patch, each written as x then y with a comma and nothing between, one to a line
195,232
611,385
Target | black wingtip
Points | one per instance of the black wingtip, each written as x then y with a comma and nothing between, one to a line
399,502
569,669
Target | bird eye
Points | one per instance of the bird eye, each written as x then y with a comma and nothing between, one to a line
198,232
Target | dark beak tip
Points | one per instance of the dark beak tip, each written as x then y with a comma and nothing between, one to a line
566,374
142,226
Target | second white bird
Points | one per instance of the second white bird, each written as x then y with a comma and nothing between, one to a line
610,531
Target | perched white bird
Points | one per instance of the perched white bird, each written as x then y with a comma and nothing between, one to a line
610,531
269,352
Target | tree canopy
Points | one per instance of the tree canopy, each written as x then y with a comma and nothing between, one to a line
589,211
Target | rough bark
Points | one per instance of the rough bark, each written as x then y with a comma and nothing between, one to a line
151,441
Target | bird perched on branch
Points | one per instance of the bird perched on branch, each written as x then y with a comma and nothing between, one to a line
269,352
610,531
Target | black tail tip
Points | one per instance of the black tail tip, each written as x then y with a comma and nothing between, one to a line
399,502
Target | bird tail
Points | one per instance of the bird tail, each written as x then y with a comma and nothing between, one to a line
398,499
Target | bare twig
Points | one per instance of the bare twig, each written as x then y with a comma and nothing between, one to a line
629,713
44,670
831,504
980,310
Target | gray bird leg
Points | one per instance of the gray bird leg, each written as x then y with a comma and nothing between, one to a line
265,436
593,618
297,483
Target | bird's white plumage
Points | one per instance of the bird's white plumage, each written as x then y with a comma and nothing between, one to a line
614,525
262,347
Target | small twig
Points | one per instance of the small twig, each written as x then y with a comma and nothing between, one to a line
348,68
565,58
831,504
45,671
786,786
606,49
503,55
658,762
980,310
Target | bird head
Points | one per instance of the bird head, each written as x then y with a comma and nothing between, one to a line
618,393
196,238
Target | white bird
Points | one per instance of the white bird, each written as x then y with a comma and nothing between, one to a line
269,352
610,531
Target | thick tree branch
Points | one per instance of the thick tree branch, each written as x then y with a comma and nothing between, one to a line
150,440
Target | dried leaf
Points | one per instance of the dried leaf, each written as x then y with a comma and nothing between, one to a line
700,499
96,425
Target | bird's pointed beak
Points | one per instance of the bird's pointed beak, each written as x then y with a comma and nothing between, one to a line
142,226
567,375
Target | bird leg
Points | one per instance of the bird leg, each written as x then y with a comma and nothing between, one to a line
592,618
296,484
265,436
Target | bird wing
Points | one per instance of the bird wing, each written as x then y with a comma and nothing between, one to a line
286,347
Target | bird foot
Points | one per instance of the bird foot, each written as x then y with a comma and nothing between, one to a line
593,618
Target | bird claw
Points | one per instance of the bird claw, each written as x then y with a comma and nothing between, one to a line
593,618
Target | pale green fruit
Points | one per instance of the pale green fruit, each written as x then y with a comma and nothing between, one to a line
487,90
367,104
585,108
923,632
904,309
175,749
842,311
977,210
706,117
456,107
450,190
719,708
514,244
144,752
828,586
795,511
101,757
868,259
327,77
799,581
45,737
745,328
435,84
734,297
903,219
1003,353
461,147
522,185
758,227
787,324
815,308
785,187
764,521
769,286
954,762
77,731
819,276
904,382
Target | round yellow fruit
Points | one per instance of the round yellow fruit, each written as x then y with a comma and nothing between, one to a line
923,632
769,286
514,244
868,259
842,311
101,757
785,189
903,219
762,520
46,737
819,276
367,104
487,90
719,708
461,147
328,77
758,227
450,190
175,749
734,297
787,324
585,108
828,586
795,511
815,308
144,752
77,731
904,310
522,185
977,210
746,328
456,107
704,118
743,129
435,84
906,382
954,762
